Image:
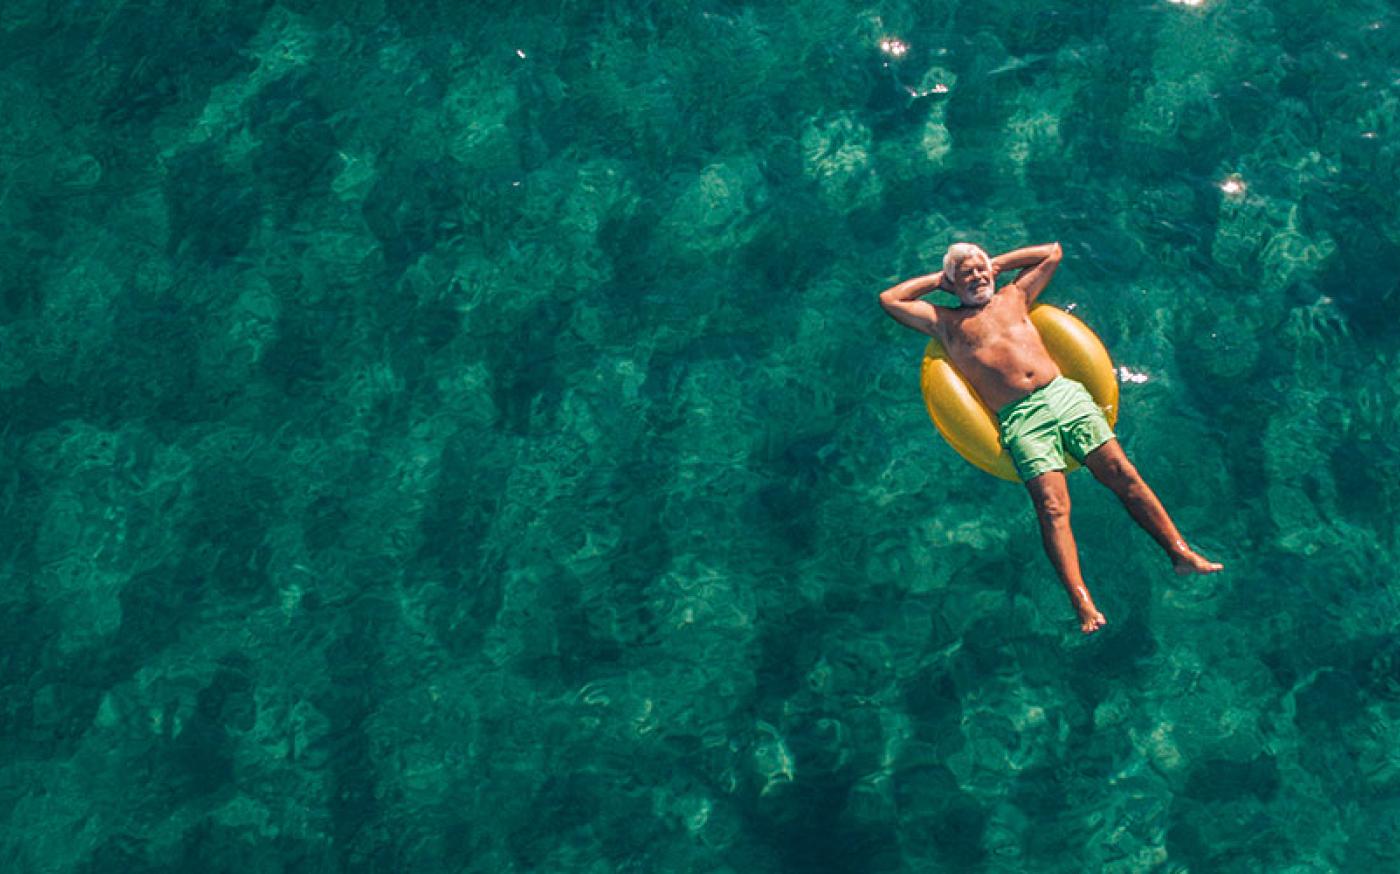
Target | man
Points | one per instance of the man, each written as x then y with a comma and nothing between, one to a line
1042,415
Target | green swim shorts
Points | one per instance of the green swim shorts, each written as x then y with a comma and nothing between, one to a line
1056,418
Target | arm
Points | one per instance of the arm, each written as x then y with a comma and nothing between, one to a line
902,302
1037,264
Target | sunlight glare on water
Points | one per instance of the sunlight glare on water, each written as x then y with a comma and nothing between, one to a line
464,437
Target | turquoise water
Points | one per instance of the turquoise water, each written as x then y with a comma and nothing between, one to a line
463,437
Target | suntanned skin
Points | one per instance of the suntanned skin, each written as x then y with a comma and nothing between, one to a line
992,343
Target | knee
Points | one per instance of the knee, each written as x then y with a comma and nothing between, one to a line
1053,509
1118,472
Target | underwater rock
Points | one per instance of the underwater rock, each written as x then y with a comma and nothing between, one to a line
836,156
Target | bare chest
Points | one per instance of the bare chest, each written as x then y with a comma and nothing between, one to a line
998,322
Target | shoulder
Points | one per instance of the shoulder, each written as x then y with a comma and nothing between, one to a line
941,320
1013,294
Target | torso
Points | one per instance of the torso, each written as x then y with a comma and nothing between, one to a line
996,348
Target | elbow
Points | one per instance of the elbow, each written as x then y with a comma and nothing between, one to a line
1056,253
892,301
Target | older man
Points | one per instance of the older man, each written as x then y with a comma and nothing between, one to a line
1043,416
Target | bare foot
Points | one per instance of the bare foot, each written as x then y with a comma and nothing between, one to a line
1188,562
1091,622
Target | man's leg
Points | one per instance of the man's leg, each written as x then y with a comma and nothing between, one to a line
1110,466
1050,495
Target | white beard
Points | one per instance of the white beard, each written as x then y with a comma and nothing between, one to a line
982,297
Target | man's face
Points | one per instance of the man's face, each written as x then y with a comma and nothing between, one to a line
973,281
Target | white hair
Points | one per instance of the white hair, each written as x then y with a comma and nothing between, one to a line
957,254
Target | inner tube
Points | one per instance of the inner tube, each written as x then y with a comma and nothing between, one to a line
971,428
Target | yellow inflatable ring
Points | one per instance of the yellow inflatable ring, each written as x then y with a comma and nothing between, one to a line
971,428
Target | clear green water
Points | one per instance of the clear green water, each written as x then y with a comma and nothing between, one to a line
462,437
